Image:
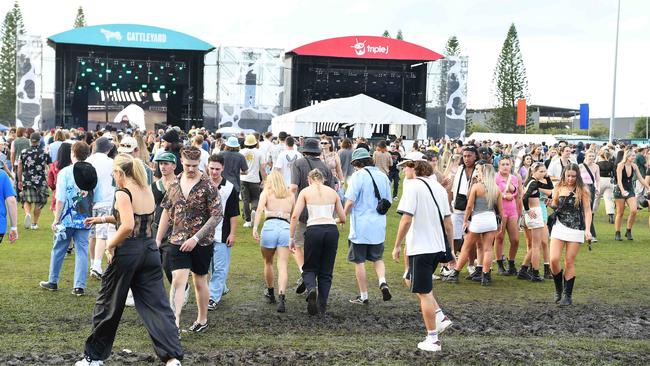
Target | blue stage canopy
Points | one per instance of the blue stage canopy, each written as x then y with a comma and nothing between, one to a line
132,36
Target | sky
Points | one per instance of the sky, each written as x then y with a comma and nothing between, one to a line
567,46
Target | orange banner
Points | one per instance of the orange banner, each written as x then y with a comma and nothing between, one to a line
521,112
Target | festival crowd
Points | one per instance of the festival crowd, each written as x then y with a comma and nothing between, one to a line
167,203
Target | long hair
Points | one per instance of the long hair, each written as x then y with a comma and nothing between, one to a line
132,168
275,184
626,156
489,181
580,186
63,156
533,169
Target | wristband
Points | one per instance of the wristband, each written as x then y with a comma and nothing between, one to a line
195,238
13,228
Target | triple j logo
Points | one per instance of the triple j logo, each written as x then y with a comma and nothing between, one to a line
360,48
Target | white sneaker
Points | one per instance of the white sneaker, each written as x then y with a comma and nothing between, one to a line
441,326
471,268
28,221
445,271
87,362
34,227
435,277
248,224
428,345
173,362
129,300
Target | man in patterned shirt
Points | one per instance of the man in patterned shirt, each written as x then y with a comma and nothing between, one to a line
32,180
193,207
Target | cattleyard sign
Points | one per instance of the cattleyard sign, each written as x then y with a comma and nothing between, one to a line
367,47
132,36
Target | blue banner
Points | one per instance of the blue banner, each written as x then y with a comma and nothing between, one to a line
584,116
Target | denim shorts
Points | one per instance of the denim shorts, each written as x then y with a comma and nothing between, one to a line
275,233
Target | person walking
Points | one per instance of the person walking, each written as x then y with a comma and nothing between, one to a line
133,263
427,228
366,188
224,234
74,201
571,203
321,238
235,164
382,158
285,160
31,179
277,202
345,156
393,172
252,179
626,169
192,207
102,201
591,178
166,162
607,171
8,205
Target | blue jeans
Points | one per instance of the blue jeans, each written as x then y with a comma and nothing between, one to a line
220,268
59,249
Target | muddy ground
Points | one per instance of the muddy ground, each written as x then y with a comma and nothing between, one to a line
481,334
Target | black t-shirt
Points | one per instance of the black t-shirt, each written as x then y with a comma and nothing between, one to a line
230,195
606,168
397,158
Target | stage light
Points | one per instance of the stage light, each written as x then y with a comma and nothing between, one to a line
101,75
102,64
144,86
162,67
92,83
123,65
113,84
119,77
108,71
139,66
128,72
79,87
83,74
83,63
174,92
97,88
162,87
136,77
173,79
89,70
155,78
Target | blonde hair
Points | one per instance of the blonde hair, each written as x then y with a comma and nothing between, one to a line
316,175
489,181
132,168
275,184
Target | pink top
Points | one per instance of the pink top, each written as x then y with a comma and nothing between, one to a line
509,206
586,178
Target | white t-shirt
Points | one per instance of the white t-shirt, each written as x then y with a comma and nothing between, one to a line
426,232
274,151
265,146
203,163
254,160
104,190
285,161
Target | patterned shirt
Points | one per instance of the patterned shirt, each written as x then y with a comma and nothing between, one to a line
35,161
188,215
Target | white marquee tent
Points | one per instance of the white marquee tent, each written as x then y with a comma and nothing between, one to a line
363,113
135,113
513,138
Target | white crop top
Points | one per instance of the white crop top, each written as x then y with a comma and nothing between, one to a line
320,214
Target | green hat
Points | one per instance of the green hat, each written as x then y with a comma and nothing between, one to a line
360,153
166,156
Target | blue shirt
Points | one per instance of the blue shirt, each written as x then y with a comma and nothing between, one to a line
54,150
77,204
6,191
367,226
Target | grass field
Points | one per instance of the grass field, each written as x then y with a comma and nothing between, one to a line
511,322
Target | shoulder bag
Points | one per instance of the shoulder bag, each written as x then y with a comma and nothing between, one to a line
383,205
447,256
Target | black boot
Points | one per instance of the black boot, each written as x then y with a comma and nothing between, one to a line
269,295
453,276
558,278
478,274
568,292
523,273
512,270
611,218
535,277
547,271
501,269
282,307
617,236
486,278
628,234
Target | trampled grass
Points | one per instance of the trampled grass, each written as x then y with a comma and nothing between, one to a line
614,275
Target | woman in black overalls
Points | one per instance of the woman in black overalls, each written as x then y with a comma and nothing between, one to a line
134,263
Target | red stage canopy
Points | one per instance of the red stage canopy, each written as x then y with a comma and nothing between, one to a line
367,47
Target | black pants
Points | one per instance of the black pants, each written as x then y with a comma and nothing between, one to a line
250,194
393,176
136,265
321,242
164,258
592,195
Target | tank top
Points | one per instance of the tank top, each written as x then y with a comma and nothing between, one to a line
330,161
568,214
320,214
626,179
501,183
142,223
481,205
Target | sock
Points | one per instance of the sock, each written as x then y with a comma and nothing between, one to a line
546,264
382,280
364,295
432,335
440,316
97,264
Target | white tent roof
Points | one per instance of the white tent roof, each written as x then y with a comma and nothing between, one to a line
361,111
135,114
513,138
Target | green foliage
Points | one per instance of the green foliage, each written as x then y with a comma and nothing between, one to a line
470,128
386,34
453,47
80,20
11,28
510,84
639,128
399,36
599,131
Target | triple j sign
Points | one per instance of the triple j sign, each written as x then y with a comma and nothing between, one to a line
360,48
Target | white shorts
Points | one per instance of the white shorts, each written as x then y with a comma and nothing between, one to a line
483,222
567,234
537,222
457,219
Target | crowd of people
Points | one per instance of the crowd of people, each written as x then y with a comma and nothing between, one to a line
169,202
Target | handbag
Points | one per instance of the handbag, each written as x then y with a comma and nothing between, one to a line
383,205
460,202
447,256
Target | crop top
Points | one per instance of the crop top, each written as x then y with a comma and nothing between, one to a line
533,190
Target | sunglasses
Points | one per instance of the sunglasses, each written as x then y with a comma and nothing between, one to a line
324,143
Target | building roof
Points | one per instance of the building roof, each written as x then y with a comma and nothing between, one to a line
131,36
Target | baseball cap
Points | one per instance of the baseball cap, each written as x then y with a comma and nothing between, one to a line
166,156
412,156
127,145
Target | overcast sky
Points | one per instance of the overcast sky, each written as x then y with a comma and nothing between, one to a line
567,46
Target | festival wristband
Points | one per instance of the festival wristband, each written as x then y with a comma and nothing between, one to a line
13,228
